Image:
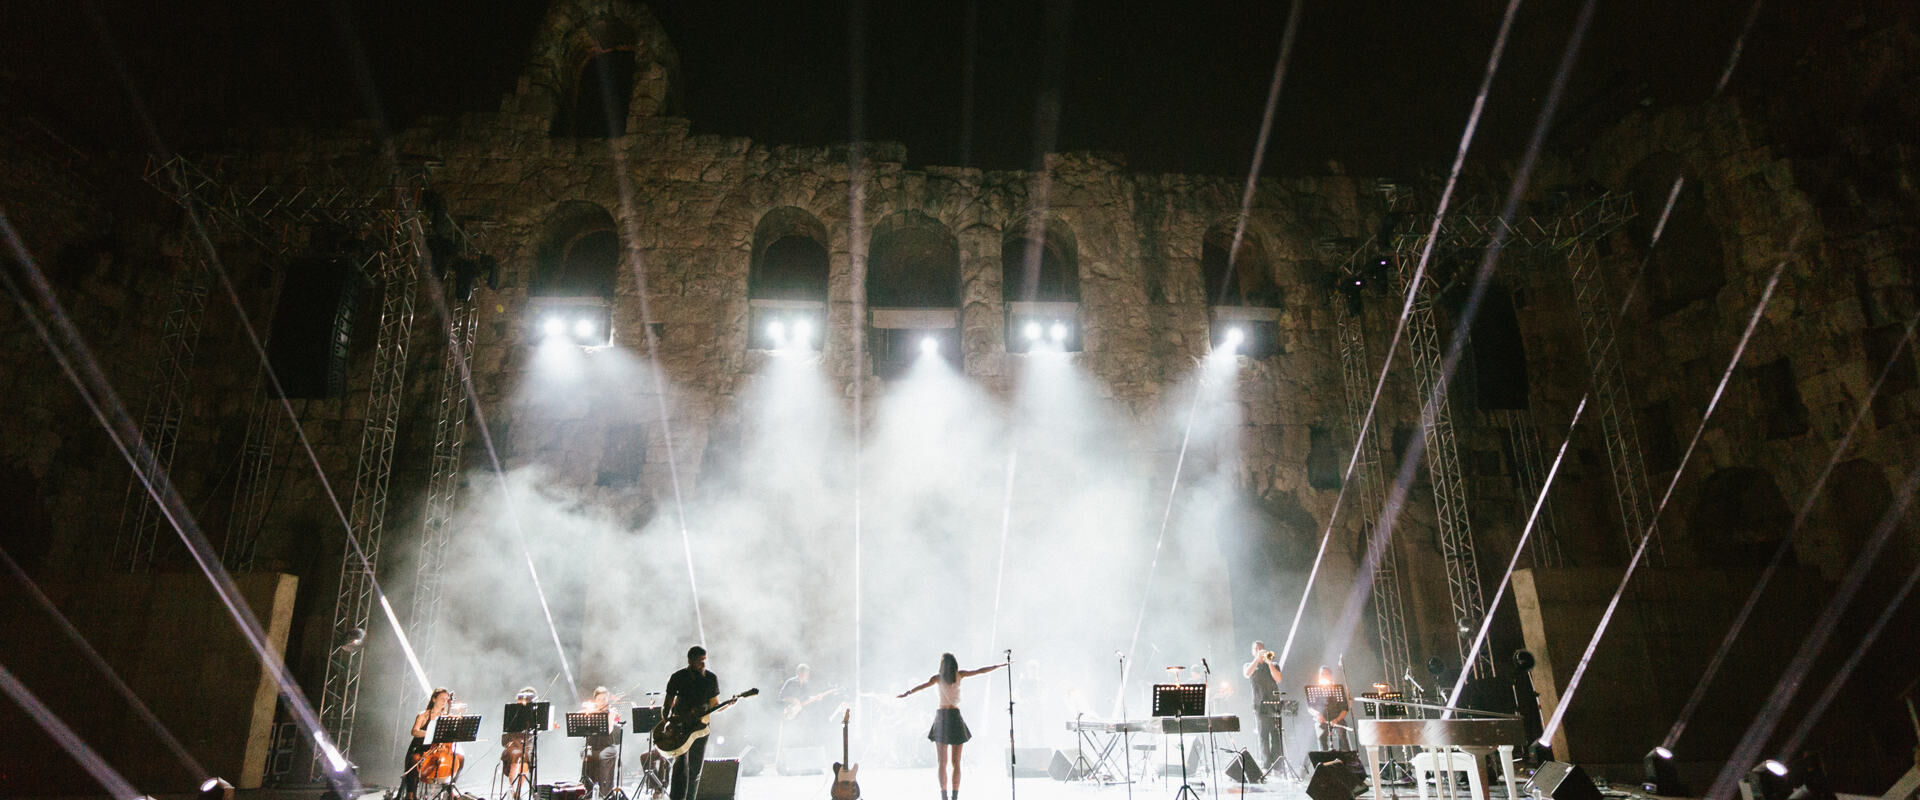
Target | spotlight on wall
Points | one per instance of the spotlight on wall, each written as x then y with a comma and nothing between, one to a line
1660,778
578,321
785,324
1033,332
215,789
1058,333
1043,326
929,345
1768,781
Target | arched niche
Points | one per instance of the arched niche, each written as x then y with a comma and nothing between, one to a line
1243,299
1040,284
913,292
578,254
1739,519
1686,265
787,281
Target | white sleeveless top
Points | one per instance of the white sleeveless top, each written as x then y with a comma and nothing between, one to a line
949,693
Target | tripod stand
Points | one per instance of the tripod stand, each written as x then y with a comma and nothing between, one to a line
1181,700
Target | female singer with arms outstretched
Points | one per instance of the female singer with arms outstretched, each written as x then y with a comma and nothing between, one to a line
949,732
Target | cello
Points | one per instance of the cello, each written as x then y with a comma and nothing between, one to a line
440,763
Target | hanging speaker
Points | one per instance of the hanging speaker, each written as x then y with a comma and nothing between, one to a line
313,326
1561,781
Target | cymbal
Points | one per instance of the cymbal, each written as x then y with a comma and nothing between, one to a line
1176,669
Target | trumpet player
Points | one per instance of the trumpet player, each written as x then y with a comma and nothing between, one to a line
1264,672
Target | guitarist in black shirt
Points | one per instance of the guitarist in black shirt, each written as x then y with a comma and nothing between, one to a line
691,692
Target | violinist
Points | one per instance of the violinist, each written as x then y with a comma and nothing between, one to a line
602,753
437,705
516,749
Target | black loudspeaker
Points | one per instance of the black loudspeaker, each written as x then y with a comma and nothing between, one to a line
1561,781
1350,758
1031,762
717,778
1244,769
313,326
1335,781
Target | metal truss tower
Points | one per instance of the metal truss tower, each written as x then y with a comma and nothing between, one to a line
1569,230
1389,609
1612,404
1529,472
162,412
353,603
443,484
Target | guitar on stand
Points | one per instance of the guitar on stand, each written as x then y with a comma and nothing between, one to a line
844,773
676,733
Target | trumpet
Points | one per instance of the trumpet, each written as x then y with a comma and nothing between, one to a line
1266,655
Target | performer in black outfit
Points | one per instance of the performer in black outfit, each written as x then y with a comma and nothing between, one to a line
437,704
1332,714
690,691
1265,675
601,752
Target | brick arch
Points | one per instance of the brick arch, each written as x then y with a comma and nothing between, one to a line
585,46
579,254
913,261
1237,277
790,257
1687,264
1040,261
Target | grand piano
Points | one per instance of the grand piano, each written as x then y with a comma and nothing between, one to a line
1442,738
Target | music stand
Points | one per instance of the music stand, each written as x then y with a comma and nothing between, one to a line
1181,700
1279,764
645,718
452,730
530,719
1318,696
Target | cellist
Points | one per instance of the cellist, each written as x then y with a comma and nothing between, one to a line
437,704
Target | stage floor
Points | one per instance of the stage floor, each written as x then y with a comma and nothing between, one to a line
920,784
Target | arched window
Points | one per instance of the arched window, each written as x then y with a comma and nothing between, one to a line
1040,283
787,281
913,292
1739,518
576,268
1241,292
1687,264
601,59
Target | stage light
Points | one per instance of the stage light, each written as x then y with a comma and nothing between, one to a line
1235,336
216,789
583,328
1659,776
777,331
1768,781
1033,331
929,345
553,326
802,332
1059,332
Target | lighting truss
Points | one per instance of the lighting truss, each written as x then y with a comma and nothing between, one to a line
443,484
162,412
1529,471
1389,608
353,603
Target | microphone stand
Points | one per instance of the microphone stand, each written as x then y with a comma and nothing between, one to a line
1013,759
1213,759
1126,735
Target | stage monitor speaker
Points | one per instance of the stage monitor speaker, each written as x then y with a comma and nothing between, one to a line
1060,767
1350,758
717,778
1243,768
1031,762
313,326
1561,781
1335,781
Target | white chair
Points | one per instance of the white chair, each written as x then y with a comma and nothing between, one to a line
1439,763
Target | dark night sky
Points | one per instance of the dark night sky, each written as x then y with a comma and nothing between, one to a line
1381,85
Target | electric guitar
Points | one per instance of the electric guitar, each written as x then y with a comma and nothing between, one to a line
844,787
794,707
676,734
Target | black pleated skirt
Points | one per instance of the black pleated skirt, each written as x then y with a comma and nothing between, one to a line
948,727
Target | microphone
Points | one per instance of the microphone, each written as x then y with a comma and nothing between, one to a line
1203,665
